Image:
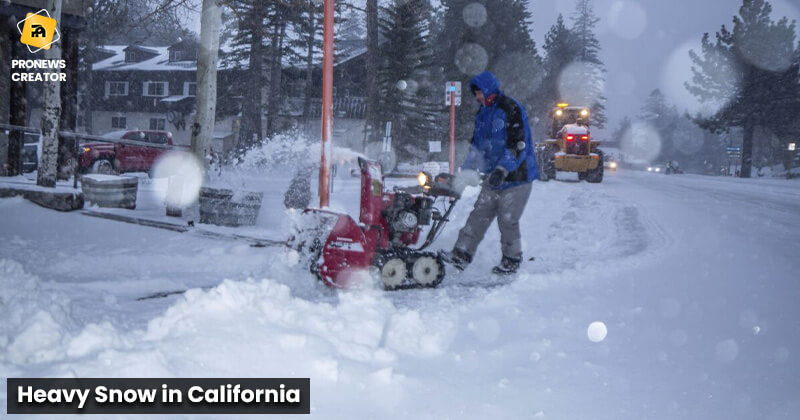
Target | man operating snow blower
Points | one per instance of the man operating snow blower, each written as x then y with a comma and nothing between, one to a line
502,148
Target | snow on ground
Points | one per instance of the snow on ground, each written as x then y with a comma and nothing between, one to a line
692,276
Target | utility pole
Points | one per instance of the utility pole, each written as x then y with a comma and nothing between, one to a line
327,103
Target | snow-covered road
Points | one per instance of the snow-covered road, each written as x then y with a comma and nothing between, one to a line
694,277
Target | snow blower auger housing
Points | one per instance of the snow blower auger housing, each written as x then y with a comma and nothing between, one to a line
384,240
571,147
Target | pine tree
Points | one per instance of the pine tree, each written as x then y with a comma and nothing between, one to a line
663,117
371,79
589,75
405,90
246,33
308,27
750,70
623,128
486,35
560,50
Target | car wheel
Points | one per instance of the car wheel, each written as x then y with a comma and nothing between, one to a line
103,166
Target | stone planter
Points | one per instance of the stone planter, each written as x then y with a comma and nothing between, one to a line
110,190
224,207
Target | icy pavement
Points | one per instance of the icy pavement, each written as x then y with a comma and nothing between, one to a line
694,277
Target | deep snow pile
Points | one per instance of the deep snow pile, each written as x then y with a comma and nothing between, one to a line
35,321
245,328
691,276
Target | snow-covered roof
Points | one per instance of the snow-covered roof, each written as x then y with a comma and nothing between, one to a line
345,51
159,62
175,98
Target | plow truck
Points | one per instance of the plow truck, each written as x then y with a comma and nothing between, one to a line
570,147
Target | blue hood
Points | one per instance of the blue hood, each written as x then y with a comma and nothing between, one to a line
487,83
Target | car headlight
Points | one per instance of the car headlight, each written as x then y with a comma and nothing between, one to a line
658,169
613,165
584,113
424,179
650,169
85,149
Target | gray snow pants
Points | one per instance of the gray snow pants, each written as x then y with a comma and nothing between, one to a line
507,206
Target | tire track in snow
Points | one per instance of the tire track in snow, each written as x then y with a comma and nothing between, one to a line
595,232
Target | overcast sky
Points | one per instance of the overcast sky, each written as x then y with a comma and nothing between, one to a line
645,42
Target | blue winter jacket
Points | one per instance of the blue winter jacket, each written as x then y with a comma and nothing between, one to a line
502,136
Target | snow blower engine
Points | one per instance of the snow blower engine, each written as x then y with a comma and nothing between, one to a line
384,239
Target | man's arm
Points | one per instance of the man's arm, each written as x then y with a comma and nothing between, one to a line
515,135
474,158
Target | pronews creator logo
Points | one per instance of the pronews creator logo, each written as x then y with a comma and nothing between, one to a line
38,31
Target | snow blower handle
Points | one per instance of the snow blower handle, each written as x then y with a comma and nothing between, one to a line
443,186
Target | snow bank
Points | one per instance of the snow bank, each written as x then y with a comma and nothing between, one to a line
35,322
350,346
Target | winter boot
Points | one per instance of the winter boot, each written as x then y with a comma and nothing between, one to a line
458,258
507,266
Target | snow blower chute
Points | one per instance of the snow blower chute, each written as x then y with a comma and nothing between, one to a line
385,237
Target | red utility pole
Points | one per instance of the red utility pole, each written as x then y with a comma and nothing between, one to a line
327,103
452,131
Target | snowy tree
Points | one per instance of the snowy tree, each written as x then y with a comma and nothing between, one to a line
750,70
404,81
585,78
663,118
371,80
487,35
308,26
247,32
560,50
623,127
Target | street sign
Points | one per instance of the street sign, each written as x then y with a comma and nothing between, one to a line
449,89
733,149
792,147
434,146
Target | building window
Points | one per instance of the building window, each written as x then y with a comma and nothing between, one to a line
177,55
116,88
119,122
130,56
155,89
158,124
190,88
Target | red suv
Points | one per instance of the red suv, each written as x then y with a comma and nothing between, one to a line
110,158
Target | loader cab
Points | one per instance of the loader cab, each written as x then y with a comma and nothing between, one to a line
564,114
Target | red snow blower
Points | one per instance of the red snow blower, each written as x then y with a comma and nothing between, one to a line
384,238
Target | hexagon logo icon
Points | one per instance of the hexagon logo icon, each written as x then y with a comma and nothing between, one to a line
38,31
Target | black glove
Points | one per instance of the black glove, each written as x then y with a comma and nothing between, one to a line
496,177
